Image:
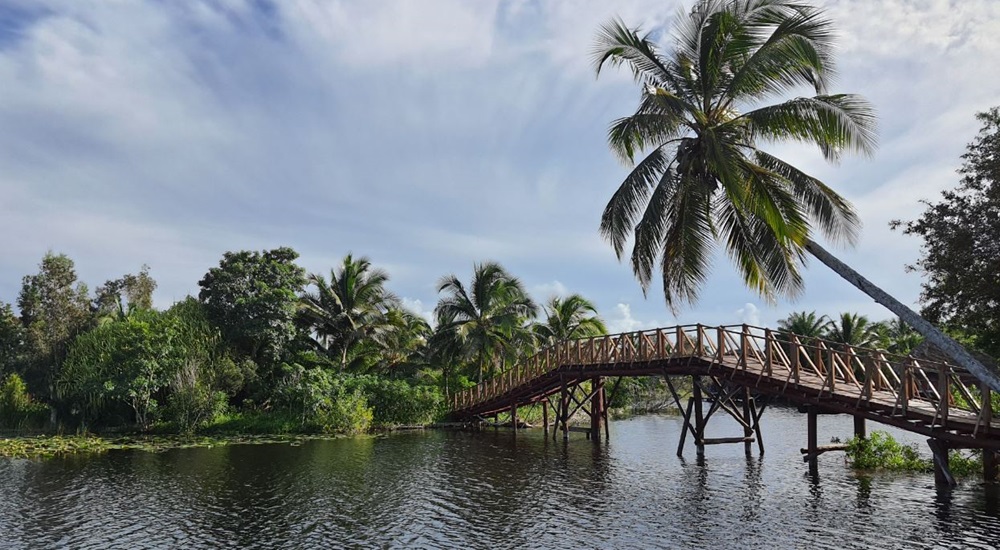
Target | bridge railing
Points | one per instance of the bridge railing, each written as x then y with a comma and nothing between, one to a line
868,373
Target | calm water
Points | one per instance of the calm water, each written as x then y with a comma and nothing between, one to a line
490,490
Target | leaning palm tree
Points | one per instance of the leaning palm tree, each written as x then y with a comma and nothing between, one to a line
569,318
705,179
488,318
348,312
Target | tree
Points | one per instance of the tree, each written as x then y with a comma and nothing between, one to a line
961,251
487,320
804,324
569,318
12,341
128,362
854,330
118,297
252,298
705,180
54,309
349,310
896,336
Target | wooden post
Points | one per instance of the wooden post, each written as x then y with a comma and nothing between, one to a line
991,466
812,435
944,390
545,415
513,416
991,460
942,473
747,429
684,428
596,407
699,418
794,347
859,427
564,410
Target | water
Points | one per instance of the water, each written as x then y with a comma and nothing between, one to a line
490,490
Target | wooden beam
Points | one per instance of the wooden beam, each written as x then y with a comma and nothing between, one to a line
723,440
699,419
811,436
820,449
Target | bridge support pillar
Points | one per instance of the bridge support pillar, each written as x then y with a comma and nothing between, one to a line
513,416
699,417
812,437
991,466
596,407
942,473
860,430
545,415
564,410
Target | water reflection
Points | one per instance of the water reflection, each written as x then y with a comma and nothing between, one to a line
492,489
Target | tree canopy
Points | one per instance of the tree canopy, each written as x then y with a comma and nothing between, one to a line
960,259
701,120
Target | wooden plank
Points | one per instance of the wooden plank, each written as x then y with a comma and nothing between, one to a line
724,440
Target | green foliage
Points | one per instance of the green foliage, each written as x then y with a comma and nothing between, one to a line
704,108
960,259
251,297
964,464
852,329
880,451
484,325
119,297
125,362
17,410
569,318
397,402
13,344
54,309
349,314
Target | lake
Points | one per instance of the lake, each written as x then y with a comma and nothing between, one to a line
493,489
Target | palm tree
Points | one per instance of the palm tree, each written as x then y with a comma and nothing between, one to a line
897,337
487,320
569,318
854,330
705,180
348,310
403,340
804,324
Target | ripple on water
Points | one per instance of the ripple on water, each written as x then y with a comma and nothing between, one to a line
488,490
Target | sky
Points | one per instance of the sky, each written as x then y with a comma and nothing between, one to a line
427,135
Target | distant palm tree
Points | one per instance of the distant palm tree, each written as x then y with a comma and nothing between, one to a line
896,336
804,324
486,322
569,318
852,329
401,343
705,180
349,309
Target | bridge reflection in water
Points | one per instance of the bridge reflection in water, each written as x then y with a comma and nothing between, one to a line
735,370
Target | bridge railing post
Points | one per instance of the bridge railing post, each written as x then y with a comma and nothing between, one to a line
944,391
720,336
904,394
794,347
768,351
744,346
701,341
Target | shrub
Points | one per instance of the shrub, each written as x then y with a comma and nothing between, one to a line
880,451
17,410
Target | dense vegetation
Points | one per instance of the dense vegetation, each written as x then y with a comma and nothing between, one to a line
265,347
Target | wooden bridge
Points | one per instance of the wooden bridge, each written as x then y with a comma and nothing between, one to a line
738,370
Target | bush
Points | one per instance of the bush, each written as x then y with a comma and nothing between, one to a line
880,451
323,401
396,402
17,410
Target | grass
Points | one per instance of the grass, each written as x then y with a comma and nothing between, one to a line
880,451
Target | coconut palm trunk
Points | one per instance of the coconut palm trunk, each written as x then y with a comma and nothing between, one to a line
942,341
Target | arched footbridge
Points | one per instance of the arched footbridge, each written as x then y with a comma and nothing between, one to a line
737,370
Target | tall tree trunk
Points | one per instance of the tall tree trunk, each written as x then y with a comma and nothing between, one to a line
940,340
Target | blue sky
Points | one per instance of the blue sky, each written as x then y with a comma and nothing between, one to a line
425,134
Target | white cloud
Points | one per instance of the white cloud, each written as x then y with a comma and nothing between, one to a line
621,320
542,292
749,314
